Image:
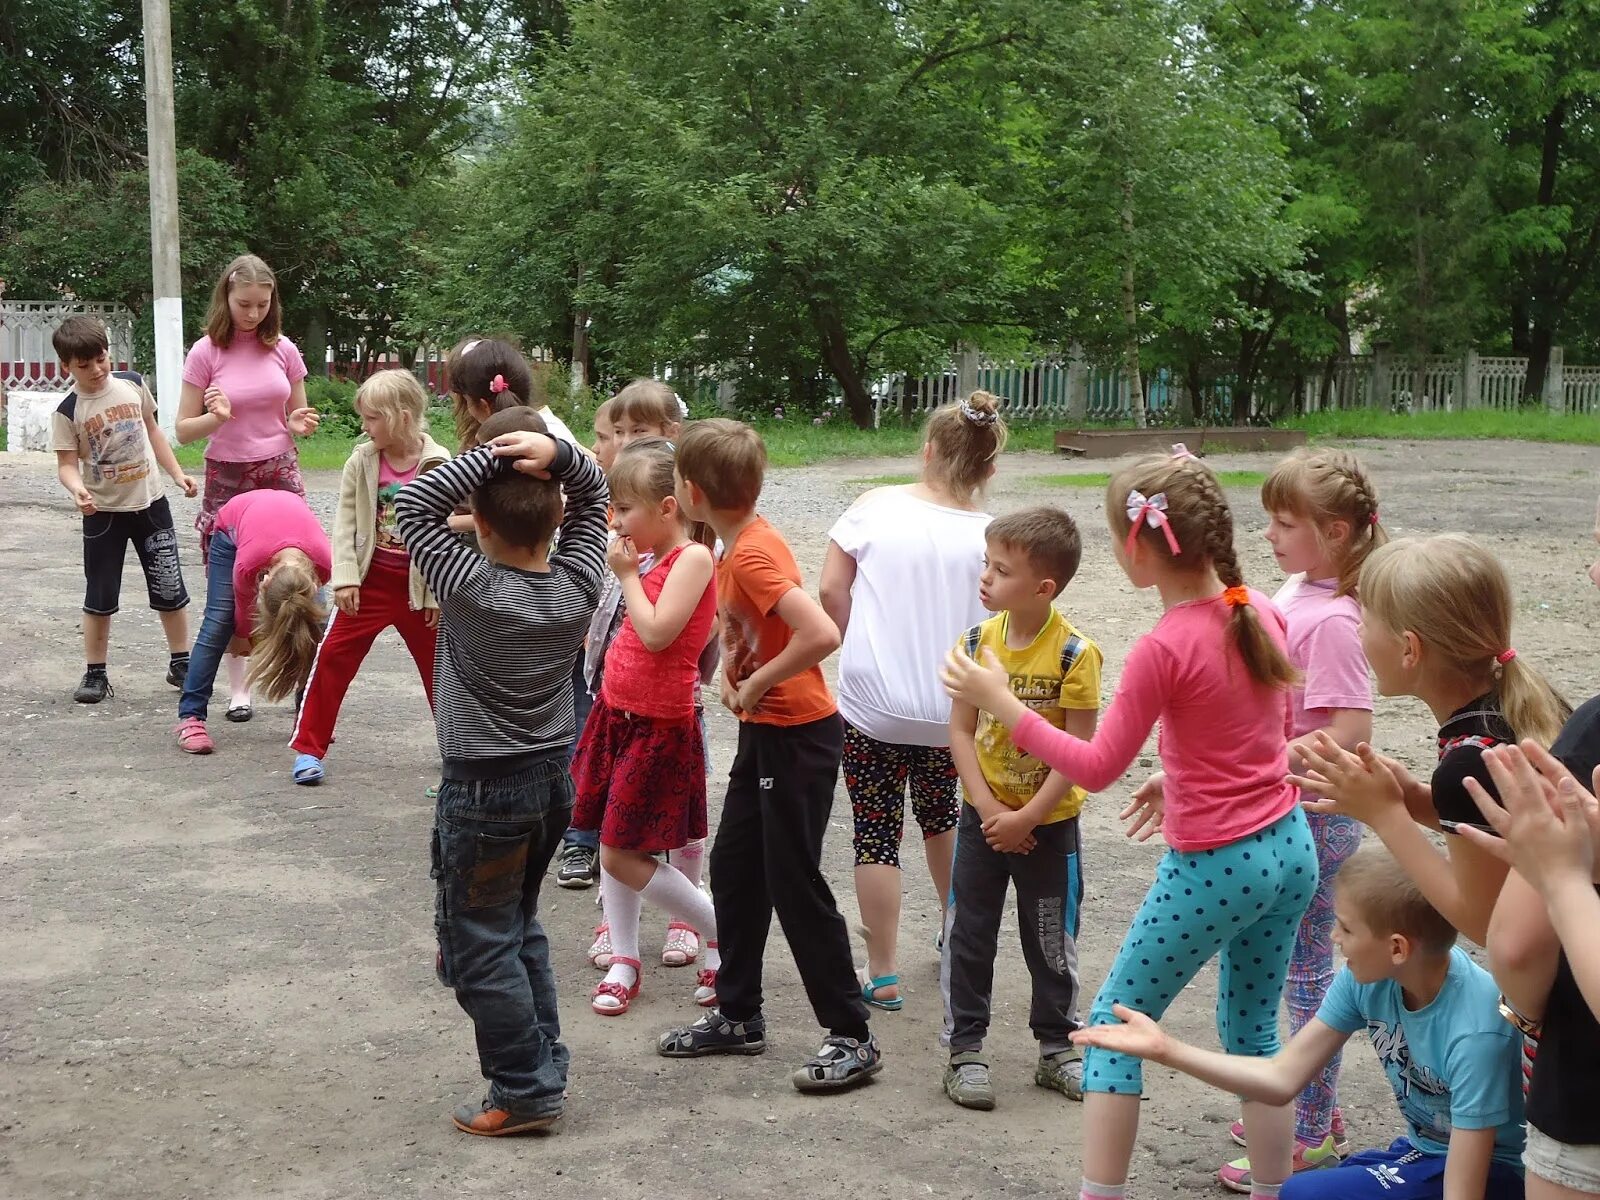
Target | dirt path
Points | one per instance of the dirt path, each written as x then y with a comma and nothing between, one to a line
214,984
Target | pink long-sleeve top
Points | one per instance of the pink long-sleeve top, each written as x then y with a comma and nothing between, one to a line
1224,737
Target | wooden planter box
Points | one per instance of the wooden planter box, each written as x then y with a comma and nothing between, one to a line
1113,443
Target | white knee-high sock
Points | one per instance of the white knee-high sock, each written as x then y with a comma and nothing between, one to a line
237,687
671,889
622,906
690,859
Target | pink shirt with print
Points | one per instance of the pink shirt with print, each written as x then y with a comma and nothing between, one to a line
1224,737
257,380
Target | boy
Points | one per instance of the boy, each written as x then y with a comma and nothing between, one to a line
768,850
511,625
1020,819
109,451
1433,1017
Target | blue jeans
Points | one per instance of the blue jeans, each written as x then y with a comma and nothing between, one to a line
216,628
1402,1172
582,703
492,841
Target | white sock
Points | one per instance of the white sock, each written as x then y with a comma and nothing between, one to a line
622,906
236,682
671,889
690,859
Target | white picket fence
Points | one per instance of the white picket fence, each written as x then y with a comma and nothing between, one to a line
28,360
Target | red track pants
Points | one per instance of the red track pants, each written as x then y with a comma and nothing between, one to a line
385,601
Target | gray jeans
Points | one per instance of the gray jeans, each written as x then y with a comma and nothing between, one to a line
1049,886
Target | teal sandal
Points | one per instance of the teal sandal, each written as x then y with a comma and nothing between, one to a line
870,989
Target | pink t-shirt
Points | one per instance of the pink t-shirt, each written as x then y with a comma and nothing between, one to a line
261,523
385,537
1224,737
1325,647
257,380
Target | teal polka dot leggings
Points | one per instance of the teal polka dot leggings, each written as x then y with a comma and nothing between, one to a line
1245,900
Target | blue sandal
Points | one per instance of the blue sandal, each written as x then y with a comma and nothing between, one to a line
870,989
308,771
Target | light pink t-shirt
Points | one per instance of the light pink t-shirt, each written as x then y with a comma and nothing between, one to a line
385,537
257,380
261,523
1224,737
1325,647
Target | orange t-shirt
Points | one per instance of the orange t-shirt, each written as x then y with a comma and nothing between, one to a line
756,572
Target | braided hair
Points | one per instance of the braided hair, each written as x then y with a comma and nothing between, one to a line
1202,525
1325,487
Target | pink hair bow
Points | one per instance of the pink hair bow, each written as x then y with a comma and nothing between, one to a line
1152,511
1179,450
498,384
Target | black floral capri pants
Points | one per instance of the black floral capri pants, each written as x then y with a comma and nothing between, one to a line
876,774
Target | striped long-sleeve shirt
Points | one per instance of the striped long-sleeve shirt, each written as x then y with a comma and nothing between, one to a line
508,638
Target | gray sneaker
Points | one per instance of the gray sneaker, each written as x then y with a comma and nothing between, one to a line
1061,1072
966,1081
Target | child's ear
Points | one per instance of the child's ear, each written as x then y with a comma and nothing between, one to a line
1337,533
1047,588
1411,656
480,526
1400,949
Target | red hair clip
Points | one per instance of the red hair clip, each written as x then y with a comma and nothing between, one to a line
498,384
1505,656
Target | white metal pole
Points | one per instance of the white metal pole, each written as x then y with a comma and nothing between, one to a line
163,157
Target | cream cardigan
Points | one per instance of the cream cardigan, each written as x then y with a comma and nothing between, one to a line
355,525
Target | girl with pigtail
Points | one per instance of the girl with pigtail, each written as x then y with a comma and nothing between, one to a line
1242,866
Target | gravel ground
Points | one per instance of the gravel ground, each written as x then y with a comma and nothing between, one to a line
214,984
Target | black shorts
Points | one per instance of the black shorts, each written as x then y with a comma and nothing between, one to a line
105,545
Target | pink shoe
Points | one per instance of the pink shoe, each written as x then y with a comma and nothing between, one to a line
612,999
1235,1176
1341,1140
682,946
193,738
706,994
600,950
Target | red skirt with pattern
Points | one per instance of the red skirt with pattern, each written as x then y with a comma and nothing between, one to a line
640,781
225,480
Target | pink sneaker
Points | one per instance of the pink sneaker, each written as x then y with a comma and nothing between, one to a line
1341,1140
193,738
1235,1176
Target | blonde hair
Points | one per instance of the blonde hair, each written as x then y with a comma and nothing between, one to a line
1456,598
247,268
396,395
643,471
1324,486
726,460
966,439
1202,523
1389,900
648,401
289,624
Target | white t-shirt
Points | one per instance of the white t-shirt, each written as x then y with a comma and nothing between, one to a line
915,591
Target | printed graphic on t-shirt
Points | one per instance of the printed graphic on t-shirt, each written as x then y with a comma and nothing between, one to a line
116,437
385,535
1424,1098
1007,768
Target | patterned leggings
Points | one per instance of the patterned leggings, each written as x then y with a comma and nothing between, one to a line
876,774
1245,900
1311,970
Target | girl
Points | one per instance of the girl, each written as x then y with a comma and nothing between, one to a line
374,584
244,391
1324,524
1242,867
645,408
640,770
1436,624
268,559
924,539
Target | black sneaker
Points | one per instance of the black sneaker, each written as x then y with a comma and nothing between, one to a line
579,866
177,670
714,1034
841,1063
93,688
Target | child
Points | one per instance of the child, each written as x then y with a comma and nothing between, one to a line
374,584
925,540
1436,624
244,391
1242,866
269,557
108,452
1429,1012
1020,821
768,850
511,624
1324,523
640,769
1543,947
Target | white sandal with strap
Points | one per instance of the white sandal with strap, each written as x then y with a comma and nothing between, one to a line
682,946
600,951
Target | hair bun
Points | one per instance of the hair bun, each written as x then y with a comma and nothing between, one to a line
981,408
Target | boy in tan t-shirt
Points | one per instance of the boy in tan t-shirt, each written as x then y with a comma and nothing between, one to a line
109,451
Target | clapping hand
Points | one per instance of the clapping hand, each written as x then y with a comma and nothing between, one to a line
1546,820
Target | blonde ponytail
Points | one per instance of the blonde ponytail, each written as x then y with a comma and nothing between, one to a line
289,624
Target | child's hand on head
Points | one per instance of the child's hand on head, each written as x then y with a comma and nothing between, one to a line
1138,1035
533,452
1355,785
1546,820
622,556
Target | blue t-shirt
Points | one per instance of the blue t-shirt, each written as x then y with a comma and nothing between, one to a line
1455,1063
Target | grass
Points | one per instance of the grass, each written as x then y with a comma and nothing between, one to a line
1524,425
319,452
800,444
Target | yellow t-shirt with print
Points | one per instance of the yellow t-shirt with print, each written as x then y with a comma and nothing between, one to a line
1056,672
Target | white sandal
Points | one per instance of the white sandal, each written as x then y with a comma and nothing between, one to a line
682,946
600,951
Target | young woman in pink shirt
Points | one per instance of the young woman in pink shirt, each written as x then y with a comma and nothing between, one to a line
244,391
1242,866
